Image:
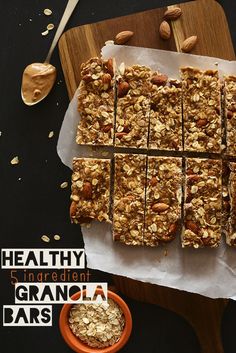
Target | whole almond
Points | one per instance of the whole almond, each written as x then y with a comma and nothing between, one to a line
173,13
192,226
87,78
159,80
110,67
172,228
107,128
122,89
193,178
160,207
119,135
229,114
87,190
153,181
106,80
126,129
188,44
123,37
164,30
201,122
73,208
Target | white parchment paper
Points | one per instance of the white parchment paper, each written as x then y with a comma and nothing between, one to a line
210,272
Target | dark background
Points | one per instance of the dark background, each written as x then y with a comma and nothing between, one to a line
36,205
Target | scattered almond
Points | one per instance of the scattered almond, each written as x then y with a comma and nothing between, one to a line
159,79
87,190
57,237
64,185
165,30
160,207
123,37
188,44
15,160
173,13
122,89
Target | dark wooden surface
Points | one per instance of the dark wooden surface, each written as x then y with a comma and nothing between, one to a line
206,19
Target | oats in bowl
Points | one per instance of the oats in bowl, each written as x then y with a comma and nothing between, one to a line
97,325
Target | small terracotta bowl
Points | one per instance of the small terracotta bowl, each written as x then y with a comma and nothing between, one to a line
77,345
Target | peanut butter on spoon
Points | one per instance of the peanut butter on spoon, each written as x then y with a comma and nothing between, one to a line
39,78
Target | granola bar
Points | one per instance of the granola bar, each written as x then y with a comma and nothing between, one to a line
201,110
90,190
165,132
133,107
225,198
203,203
231,235
163,199
96,103
230,113
129,198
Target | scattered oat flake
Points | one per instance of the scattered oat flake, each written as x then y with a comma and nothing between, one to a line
50,26
47,12
64,185
45,33
15,160
0,133
51,134
57,237
45,238
30,20
19,179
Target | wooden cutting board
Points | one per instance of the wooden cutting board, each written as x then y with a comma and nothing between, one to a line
206,19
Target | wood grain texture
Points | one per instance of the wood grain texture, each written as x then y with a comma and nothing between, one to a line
206,19
204,314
